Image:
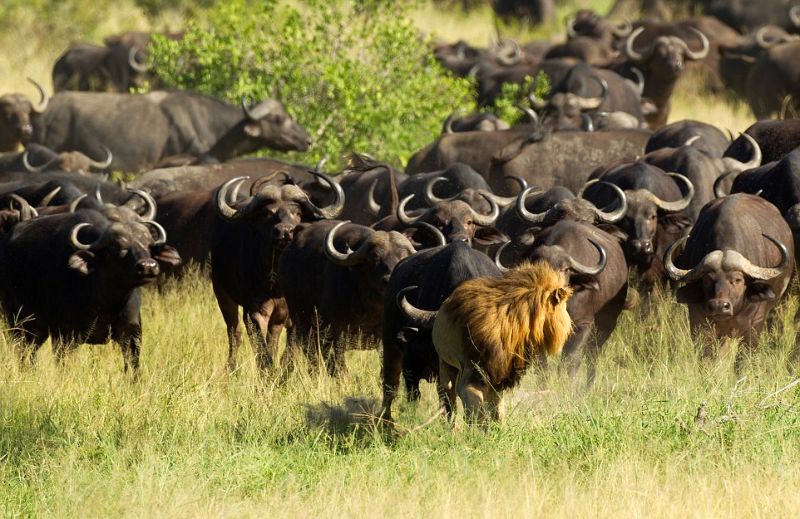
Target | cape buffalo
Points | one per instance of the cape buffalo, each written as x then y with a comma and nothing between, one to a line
408,349
246,240
141,130
76,277
330,292
16,114
594,263
740,257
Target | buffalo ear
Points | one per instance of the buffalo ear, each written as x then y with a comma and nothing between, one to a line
252,130
490,236
758,291
166,255
580,282
689,294
614,231
82,261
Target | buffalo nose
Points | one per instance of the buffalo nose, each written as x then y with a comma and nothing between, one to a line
719,307
27,130
147,267
642,246
282,232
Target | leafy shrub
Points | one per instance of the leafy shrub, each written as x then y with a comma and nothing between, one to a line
514,94
355,74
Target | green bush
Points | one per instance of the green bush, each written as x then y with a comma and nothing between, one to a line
514,94
357,75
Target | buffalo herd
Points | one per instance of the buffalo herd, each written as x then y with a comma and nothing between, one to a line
499,243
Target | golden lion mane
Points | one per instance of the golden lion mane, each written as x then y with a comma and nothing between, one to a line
511,319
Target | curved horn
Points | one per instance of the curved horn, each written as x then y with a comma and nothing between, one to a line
160,232
755,160
678,205
246,110
260,182
591,103
98,194
765,273
373,207
46,199
404,218
674,272
335,208
221,198
441,241
73,237
629,43
700,54
423,318
498,254
26,211
571,28
485,220
521,182
45,99
587,124
613,216
580,268
149,202
718,192
106,163
35,169
794,15
347,259
430,198
448,123
73,206
534,118
514,58
135,65
502,201
639,80
692,140
321,164
522,211
623,29
761,39
536,103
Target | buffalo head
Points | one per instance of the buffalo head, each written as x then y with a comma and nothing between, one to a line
270,124
376,252
665,54
16,111
129,250
725,281
275,211
456,219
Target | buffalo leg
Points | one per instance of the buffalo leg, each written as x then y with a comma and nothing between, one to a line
448,377
129,339
230,314
392,369
574,349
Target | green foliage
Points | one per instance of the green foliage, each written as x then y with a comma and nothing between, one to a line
356,75
514,94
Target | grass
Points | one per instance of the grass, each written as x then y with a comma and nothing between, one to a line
190,440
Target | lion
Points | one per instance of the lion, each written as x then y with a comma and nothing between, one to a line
490,329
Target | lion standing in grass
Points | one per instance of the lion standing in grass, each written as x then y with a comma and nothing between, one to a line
489,330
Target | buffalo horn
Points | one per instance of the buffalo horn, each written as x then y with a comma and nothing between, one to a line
678,205
45,99
149,203
136,65
422,318
349,258
498,255
73,206
613,216
373,207
696,55
221,198
46,199
106,163
35,169
591,271
404,218
73,237
522,211
160,231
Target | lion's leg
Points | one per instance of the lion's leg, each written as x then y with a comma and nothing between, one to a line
447,387
494,404
472,393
